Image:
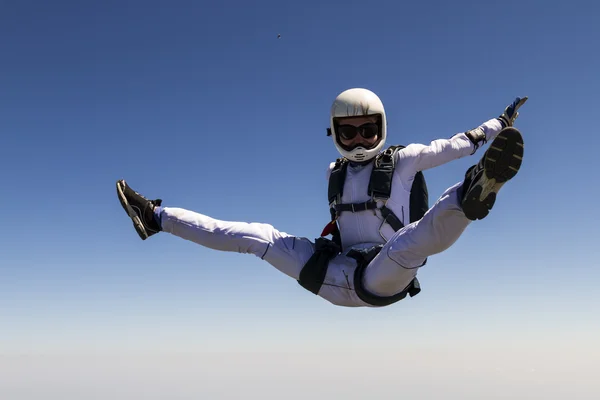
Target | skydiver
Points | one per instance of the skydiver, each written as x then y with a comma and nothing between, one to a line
382,229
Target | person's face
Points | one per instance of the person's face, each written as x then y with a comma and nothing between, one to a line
353,131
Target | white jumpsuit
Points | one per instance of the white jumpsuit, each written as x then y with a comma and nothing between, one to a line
404,251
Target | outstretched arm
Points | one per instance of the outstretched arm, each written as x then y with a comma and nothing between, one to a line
419,157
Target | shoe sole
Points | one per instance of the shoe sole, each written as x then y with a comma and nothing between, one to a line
135,218
502,163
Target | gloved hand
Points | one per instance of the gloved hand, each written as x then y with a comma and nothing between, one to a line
510,112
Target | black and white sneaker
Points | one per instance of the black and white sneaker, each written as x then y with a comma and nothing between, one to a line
499,164
139,209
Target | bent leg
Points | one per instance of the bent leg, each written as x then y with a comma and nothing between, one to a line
285,252
396,265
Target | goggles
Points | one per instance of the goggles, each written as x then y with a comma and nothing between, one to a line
349,132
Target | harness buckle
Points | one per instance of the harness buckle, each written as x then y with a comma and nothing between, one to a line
381,226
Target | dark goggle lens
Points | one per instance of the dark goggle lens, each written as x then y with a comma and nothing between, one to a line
367,131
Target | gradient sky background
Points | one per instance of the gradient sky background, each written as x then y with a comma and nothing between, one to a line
200,104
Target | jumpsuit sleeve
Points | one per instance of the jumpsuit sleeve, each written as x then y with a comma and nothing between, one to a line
419,157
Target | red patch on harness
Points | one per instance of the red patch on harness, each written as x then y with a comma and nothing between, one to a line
329,228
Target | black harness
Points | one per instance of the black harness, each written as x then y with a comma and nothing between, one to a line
314,271
363,258
380,188
312,276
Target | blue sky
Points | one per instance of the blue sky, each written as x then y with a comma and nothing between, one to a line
200,104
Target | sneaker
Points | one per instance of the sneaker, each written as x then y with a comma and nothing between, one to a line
499,164
139,209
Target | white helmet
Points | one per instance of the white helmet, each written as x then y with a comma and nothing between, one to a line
352,103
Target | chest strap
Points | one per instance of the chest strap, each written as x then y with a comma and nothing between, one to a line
386,213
